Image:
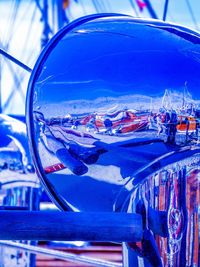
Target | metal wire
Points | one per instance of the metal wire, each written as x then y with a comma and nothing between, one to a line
134,8
192,15
59,254
150,9
165,9
14,60
96,7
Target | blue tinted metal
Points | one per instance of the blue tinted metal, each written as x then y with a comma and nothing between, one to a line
106,85
18,180
113,110
14,149
19,185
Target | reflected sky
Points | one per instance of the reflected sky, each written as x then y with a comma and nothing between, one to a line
107,102
115,64
21,30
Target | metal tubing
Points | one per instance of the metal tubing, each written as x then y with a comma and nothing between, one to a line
150,9
59,254
165,10
14,60
70,226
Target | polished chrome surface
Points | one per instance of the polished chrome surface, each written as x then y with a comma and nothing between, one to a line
168,201
18,180
19,185
113,103
101,91
16,167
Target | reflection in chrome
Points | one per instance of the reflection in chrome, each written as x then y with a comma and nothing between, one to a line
176,121
168,201
168,122
114,120
19,185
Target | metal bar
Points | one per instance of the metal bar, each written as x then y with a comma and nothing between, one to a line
14,60
60,13
60,255
134,8
150,9
165,10
39,6
70,226
46,28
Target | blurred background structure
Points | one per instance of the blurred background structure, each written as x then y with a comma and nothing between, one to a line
27,25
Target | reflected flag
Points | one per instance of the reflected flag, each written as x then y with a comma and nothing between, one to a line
141,4
66,4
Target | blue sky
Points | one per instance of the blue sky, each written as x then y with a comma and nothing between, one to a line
20,35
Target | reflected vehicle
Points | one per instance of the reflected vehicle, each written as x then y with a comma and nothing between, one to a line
121,121
113,119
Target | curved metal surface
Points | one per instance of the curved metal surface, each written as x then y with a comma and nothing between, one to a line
100,89
168,201
113,103
19,185
16,167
